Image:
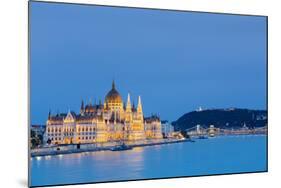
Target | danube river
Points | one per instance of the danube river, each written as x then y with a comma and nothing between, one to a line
226,154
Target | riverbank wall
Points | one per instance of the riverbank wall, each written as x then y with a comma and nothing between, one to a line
73,148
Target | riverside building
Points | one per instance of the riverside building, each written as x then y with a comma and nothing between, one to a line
111,121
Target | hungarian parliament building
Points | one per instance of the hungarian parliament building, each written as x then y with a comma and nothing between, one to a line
110,121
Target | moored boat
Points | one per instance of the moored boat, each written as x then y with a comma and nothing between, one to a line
121,147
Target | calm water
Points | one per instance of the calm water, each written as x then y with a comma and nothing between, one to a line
218,155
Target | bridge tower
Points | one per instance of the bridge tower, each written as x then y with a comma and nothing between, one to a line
212,130
198,129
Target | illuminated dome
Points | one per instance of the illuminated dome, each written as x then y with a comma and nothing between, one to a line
113,95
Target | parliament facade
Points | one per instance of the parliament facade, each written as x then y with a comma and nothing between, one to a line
111,121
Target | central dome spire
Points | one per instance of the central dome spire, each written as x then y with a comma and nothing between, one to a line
113,95
113,84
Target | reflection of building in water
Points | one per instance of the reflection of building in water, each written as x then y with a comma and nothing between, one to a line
110,121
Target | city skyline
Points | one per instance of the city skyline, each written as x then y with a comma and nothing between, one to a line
134,101
176,63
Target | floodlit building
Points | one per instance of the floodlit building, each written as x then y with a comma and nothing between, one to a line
167,128
111,121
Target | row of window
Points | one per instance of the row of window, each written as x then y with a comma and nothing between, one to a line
80,138
68,134
91,129
114,104
54,134
86,133
71,129
86,129
60,129
116,128
86,138
54,130
56,138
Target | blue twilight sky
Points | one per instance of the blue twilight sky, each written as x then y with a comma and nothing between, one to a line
177,61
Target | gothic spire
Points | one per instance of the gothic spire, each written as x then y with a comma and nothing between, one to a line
82,109
128,106
82,105
139,108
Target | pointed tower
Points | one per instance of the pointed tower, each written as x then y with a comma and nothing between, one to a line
128,112
90,101
49,115
139,108
128,106
137,131
82,109
113,84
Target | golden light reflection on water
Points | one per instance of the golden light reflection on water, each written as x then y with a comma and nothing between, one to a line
138,149
134,160
148,162
48,157
60,156
38,158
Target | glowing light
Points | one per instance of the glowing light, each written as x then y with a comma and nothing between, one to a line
48,157
139,130
38,158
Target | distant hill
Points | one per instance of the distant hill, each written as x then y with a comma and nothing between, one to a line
222,118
